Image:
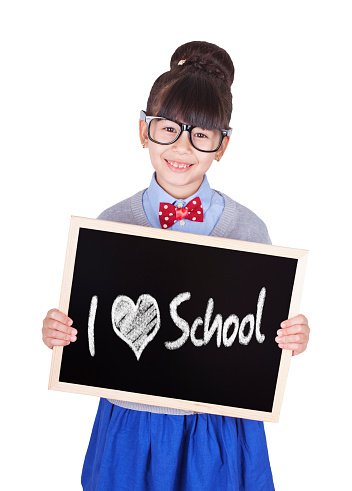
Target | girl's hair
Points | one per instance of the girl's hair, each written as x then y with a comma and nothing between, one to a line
198,91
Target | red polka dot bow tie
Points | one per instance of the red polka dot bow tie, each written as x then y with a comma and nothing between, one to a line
168,213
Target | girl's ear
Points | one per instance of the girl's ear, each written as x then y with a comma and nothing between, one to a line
143,133
221,151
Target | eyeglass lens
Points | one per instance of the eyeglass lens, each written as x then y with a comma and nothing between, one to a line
165,131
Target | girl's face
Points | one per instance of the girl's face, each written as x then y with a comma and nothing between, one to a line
179,167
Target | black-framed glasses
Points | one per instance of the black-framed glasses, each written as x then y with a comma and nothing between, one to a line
166,131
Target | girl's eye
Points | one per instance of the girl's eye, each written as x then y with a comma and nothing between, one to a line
200,135
169,129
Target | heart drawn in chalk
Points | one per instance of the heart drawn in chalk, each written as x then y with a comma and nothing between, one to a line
136,324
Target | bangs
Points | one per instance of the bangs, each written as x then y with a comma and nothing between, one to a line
195,101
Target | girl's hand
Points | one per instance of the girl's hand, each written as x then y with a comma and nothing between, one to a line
294,334
57,330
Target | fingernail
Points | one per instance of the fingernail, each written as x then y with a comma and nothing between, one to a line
73,338
283,324
70,322
279,333
281,345
74,331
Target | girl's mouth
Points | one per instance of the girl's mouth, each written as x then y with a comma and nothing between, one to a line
178,166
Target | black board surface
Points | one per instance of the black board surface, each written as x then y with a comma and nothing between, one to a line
112,265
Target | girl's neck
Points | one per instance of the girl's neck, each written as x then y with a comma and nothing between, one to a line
180,192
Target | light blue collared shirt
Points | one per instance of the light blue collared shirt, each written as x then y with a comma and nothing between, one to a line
213,206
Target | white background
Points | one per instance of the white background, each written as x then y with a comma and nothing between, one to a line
74,76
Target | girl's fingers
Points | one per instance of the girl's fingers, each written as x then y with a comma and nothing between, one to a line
57,330
293,321
294,334
295,329
293,338
53,337
55,314
58,326
55,334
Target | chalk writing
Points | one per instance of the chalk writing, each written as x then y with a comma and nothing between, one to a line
136,324
91,320
217,326
180,323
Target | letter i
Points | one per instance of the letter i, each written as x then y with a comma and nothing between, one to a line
91,320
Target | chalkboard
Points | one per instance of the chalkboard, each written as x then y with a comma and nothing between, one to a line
176,319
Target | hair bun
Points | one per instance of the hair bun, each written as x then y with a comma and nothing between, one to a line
206,56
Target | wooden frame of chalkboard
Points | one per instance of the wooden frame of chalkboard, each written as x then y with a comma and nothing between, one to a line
176,319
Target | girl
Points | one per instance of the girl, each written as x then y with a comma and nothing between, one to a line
139,447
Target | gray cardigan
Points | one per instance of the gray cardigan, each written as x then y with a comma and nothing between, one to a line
236,222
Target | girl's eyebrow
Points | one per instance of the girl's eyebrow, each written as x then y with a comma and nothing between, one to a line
194,126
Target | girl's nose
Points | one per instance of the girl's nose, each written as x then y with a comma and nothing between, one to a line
183,144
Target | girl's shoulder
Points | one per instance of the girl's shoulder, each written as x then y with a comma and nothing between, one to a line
129,210
240,223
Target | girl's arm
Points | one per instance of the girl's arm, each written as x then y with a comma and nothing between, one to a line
294,334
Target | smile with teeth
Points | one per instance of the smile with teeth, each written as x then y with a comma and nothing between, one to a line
178,165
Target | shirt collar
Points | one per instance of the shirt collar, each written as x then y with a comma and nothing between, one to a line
156,195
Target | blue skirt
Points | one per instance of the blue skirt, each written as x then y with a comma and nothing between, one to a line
139,451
